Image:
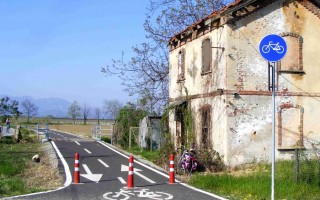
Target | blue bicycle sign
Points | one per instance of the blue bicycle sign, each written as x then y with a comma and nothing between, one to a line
273,48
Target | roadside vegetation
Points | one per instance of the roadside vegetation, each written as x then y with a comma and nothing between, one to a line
254,182
18,174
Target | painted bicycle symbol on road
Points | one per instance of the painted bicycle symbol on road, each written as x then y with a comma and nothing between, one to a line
275,47
124,194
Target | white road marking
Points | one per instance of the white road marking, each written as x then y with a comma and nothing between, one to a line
88,151
93,177
163,174
122,180
86,168
77,143
65,165
125,168
140,163
144,177
105,164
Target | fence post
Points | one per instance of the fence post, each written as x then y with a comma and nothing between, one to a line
38,131
112,134
130,138
100,132
296,155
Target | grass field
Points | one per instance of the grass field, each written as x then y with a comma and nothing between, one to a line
257,183
253,183
18,174
80,129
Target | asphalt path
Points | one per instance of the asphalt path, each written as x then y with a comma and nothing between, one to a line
104,174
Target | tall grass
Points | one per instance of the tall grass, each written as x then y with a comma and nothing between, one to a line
152,156
257,184
13,161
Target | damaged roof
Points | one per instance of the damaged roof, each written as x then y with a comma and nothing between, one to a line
232,12
215,15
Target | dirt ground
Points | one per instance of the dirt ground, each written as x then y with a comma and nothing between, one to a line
80,129
45,174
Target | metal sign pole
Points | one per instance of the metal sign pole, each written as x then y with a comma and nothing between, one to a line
273,129
273,48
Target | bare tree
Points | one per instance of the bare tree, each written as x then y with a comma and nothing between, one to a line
85,112
98,114
112,107
149,67
74,111
8,108
29,109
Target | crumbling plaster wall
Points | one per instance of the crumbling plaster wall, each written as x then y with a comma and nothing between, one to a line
195,82
250,114
202,88
218,122
241,123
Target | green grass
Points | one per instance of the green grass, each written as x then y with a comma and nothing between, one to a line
106,139
13,160
152,156
257,184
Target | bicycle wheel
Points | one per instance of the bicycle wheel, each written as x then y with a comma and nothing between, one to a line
265,49
280,50
179,168
189,169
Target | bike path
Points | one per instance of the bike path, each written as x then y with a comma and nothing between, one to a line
102,160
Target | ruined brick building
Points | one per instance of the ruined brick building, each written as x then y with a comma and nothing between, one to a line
217,61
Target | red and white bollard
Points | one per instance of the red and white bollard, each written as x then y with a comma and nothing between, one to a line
76,174
130,173
172,179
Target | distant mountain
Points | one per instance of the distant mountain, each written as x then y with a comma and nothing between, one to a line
56,107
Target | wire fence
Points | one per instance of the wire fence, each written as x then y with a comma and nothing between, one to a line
146,138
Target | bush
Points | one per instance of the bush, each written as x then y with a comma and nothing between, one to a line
7,140
28,135
209,159
106,139
167,148
310,171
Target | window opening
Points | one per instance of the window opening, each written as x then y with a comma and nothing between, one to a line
206,56
206,118
181,64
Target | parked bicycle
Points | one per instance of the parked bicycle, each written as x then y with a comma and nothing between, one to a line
187,162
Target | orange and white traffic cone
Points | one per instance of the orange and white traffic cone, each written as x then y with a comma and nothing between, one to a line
130,173
76,174
172,179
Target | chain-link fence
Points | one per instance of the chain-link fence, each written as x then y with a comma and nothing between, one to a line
99,131
146,138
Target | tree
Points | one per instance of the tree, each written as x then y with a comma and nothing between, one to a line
148,69
9,108
129,116
112,107
29,109
85,112
98,113
74,111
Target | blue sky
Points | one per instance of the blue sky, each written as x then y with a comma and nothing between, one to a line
56,48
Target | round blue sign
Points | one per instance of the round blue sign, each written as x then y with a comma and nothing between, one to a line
273,48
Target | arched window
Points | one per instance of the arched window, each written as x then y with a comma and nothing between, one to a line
206,126
206,56
290,126
181,64
293,60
